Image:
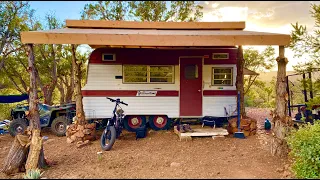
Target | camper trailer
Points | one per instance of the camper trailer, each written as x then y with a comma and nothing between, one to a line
161,84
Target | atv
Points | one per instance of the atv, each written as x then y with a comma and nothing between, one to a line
55,117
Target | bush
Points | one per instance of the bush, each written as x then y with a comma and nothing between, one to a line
305,149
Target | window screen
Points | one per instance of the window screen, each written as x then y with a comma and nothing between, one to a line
222,76
148,74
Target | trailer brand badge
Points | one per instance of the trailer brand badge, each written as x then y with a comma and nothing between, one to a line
146,93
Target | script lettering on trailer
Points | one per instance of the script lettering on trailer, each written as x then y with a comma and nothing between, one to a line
146,93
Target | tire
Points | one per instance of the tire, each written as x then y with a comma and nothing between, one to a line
159,122
17,126
131,123
108,134
59,125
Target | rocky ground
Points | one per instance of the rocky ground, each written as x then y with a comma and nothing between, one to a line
162,155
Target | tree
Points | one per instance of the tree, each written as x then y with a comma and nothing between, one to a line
306,44
13,16
258,62
143,10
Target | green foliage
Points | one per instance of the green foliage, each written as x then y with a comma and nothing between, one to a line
307,44
305,149
256,61
143,10
32,174
261,94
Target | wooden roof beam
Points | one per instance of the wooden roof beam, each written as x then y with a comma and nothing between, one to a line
104,24
220,39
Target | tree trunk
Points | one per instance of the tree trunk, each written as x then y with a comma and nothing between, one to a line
17,155
77,82
239,81
280,120
62,96
34,119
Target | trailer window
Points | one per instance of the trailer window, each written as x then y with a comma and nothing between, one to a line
162,74
148,74
222,76
135,74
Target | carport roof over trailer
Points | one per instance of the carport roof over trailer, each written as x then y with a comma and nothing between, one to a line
153,34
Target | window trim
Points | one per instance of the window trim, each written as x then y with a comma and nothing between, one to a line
148,74
212,76
220,58
114,57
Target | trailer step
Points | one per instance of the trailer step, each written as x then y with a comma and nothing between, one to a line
199,131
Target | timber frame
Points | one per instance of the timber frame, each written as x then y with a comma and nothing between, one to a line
155,34
102,33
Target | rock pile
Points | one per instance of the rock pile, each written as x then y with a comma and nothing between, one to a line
247,125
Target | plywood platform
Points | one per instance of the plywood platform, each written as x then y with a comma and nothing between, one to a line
199,131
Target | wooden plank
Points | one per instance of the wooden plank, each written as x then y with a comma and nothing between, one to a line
155,25
155,39
200,132
206,132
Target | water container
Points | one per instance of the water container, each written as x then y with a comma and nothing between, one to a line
267,124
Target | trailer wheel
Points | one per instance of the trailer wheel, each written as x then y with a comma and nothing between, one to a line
159,122
131,123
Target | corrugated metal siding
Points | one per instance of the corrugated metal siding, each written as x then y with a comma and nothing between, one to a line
207,77
100,107
214,106
102,77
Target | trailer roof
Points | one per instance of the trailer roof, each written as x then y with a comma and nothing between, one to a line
178,34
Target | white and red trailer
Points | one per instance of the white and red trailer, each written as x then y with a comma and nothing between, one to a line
161,83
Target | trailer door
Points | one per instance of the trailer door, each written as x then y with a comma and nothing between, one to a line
191,86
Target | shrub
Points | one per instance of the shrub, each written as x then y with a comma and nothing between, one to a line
305,150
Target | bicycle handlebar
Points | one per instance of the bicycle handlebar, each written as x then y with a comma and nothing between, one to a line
113,100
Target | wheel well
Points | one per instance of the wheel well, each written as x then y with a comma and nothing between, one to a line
16,113
55,114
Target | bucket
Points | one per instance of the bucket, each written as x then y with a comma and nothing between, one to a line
141,132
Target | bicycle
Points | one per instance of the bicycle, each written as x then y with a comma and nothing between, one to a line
114,126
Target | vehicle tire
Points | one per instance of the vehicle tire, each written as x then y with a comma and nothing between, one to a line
59,126
131,123
108,137
17,126
159,122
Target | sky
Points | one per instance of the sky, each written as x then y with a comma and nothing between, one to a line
263,16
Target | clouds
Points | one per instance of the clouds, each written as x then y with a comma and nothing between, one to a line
263,14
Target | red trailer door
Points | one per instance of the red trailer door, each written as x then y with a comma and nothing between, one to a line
191,86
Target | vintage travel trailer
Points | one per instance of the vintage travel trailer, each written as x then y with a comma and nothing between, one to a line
162,83
163,70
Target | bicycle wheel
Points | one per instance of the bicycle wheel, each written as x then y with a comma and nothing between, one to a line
108,138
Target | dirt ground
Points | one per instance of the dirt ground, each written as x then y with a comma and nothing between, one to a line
162,155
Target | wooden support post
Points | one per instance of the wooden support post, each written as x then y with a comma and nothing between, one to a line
288,92
281,121
34,118
77,83
305,88
240,78
311,88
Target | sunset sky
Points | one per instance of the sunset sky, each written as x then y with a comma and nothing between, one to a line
264,16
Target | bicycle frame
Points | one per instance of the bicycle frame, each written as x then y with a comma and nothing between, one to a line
116,119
